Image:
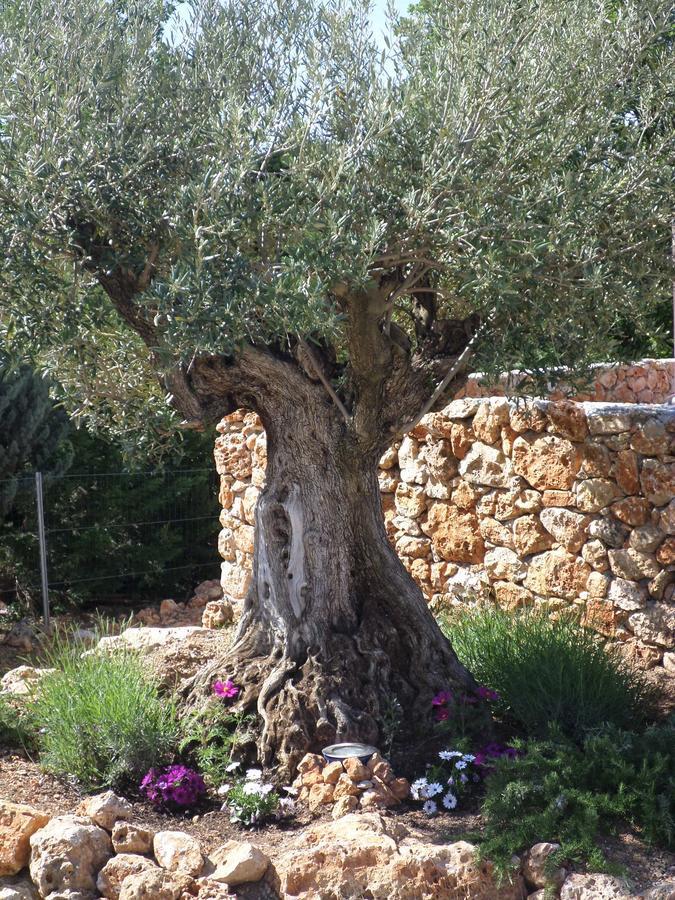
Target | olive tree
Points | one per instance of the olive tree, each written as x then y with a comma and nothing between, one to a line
267,210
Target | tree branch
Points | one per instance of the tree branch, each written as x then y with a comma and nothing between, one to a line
454,370
325,382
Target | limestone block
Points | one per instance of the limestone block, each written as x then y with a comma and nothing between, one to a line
17,823
530,536
627,595
632,564
557,574
67,855
113,873
546,462
503,564
655,625
486,465
658,481
567,527
454,533
594,494
178,851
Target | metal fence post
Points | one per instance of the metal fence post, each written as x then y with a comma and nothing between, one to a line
44,577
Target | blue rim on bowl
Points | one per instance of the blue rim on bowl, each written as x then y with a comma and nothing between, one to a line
341,752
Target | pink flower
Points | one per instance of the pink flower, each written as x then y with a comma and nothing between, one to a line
442,699
225,689
441,714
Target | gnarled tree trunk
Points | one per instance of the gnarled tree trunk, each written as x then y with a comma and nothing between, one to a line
334,628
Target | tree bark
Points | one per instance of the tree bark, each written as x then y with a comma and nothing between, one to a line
334,628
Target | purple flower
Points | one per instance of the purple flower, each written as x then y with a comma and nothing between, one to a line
441,714
226,689
486,693
174,785
442,698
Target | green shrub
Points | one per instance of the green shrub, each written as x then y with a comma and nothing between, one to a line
549,671
101,718
558,791
211,735
17,725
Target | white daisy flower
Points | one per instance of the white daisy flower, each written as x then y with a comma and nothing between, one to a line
254,774
449,801
430,808
232,766
256,787
460,764
224,789
449,754
416,788
432,789
468,757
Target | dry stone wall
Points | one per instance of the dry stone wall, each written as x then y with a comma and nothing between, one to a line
532,502
646,381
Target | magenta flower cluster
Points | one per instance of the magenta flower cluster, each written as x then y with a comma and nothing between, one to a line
443,702
494,751
173,786
227,689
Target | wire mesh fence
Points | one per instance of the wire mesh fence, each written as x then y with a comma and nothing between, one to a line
108,537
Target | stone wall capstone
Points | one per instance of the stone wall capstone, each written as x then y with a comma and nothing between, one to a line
527,502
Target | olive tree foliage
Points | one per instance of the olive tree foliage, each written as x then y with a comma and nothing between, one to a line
246,179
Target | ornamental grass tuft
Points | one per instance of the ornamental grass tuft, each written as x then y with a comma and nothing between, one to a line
101,718
549,671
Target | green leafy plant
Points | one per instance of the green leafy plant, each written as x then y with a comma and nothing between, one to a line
558,791
17,726
211,735
101,718
250,800
549,670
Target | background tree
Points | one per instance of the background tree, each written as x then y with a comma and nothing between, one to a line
272,213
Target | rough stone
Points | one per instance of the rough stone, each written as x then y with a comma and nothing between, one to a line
332,772
627,595
356,770
530,536
601,616
535,867
524,416
657,480
344,806
651,439
558,498
67,855
489,419
632,510
595,493
238,862
156,885
128,838
512,596
486,465
514,503
454,533
567,527
632,564
665,555
655,625
626,471
547,462
596,461
320,795
105,809
178,852
367,855
461,439
594,887
23,680
217,614
598,585
566,419
611,533
557,574
113,873
18,888
17,823
667,518
503,564
410,499
609,420
595,554
645,539
495,532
